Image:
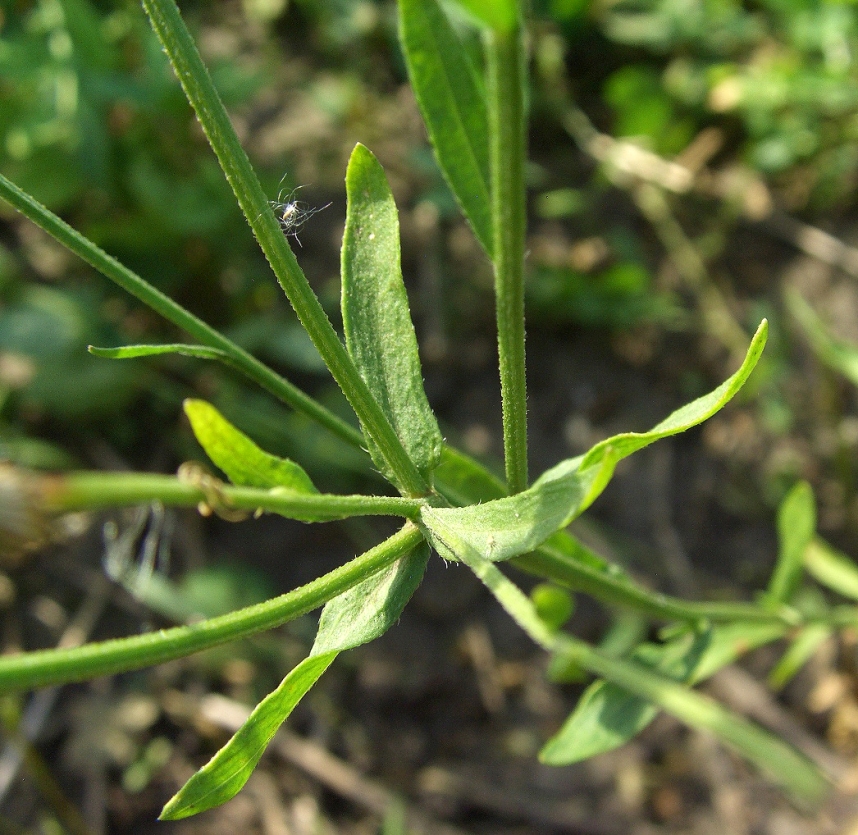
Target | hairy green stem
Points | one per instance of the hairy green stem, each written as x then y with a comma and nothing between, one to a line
507,158
579,574
47,667
201,93
784,762
92,490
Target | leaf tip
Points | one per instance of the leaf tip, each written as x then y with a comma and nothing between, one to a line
174,809
192,405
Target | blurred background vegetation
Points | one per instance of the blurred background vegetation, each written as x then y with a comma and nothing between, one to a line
693,169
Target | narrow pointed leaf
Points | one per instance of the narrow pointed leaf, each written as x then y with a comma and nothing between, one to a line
376,319
134,351
786,765
831,568
359,615
451,97
500,15
607,716
796,529
836,353
225,774
507,527
240,458
804,645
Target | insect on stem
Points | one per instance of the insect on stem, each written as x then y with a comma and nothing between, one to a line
292,214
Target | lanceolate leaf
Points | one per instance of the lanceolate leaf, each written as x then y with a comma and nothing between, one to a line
357,616
501,15
608,716
510,526
804,645
452,100
134,351
227,772
796,529
831,568
242,460
378,330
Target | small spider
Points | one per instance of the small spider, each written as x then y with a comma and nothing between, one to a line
293,214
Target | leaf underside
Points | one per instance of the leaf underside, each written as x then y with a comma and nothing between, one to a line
507,527
359,615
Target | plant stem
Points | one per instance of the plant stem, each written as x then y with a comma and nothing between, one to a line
201,93
551,563
47,667
768,752
92,490
507,157
129,281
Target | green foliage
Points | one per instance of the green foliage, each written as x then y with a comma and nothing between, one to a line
645,109
505,528
452,100
48,329
377,324
781,70
839,355
93,125
618,297
223,776
496,14
476,120
608,715
796,529
831,568
356,617
241,459
786,765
